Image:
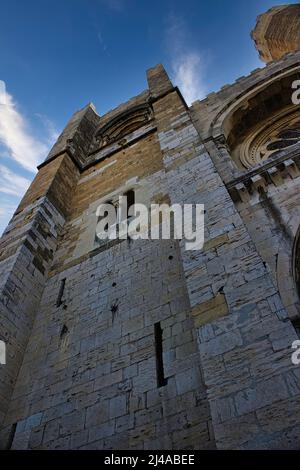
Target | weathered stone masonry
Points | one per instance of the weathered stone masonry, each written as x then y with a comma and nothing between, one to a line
27,249
88,378
81,320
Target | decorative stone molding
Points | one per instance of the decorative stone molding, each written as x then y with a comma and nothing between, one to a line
276,134
274,172
120,126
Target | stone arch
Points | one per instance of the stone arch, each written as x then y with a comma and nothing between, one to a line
258,105
118,127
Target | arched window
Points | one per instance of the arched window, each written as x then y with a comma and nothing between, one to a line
122,125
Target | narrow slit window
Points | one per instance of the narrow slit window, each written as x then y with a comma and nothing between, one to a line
101,232
61,292
106,227
130,200
296,325
158,335
11,436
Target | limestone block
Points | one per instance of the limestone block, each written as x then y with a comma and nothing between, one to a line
210,311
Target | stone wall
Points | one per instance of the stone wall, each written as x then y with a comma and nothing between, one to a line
89,377
27,248
246,356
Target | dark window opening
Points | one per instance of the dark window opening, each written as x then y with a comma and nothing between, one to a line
11,436
130,200
297,263
104,216
98,236
61,292
158,335
296,325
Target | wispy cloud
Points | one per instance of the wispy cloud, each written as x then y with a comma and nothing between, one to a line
188,63
18,143
15,135
188,76
102,42
6,209
51,131
115,5
6,212
12,183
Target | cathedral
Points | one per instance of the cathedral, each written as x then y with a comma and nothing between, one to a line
142,344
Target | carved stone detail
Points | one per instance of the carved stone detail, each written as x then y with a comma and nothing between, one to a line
120,126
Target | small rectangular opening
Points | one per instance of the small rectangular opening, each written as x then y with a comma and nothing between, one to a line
11,436
296,325
61,292
130,200
158,335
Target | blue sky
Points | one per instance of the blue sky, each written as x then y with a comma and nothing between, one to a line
58,55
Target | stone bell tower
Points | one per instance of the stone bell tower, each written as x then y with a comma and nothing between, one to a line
101,348
142,344
277,32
